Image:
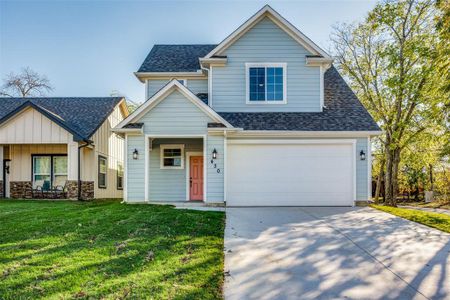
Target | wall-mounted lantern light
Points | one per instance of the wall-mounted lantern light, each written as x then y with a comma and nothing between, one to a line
214,154
362,155
135,154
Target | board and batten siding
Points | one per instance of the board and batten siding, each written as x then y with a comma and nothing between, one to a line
109,145
20,155
169,184
195,85
266,43
32,127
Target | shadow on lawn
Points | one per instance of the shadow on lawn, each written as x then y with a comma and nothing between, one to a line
186,260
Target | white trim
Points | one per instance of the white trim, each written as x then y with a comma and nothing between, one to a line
188,169
210,87
128,130
125,170
369,169
269,12
147,75
146,168
163,147
146,89
162,94
354,171
283,133
225,168
265,65
290,142
205,170
322,87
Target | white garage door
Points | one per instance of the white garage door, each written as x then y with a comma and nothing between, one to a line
286,174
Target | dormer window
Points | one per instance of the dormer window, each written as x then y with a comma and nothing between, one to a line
266,83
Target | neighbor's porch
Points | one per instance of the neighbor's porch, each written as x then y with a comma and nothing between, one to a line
40,171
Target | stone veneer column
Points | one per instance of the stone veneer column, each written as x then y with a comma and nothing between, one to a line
20,189
87,189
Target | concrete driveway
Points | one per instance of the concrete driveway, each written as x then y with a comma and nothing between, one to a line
332,253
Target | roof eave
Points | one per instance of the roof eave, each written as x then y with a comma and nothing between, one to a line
142,76
299,133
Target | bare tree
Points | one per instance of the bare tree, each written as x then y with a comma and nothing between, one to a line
27,83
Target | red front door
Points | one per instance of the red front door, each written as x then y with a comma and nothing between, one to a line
196,178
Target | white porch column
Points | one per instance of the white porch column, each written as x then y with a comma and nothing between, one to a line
72,161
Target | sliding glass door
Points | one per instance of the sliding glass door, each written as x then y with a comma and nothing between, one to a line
49,170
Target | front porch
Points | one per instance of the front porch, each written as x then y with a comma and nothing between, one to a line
43,171
176,168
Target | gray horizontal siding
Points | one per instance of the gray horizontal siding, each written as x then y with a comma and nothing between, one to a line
198,85
361,170
215,187
154,85
266,42
175,115
135,169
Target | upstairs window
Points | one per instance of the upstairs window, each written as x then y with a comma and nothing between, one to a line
266,83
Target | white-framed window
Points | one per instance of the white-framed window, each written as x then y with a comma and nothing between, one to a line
266,83
172,156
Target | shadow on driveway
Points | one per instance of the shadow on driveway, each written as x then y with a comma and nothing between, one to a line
332,253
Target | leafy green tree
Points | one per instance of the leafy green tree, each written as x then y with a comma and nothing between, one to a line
390,61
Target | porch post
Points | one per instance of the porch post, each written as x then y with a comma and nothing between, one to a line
1,172
72,170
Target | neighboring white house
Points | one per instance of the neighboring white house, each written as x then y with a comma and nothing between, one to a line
261,119
45,143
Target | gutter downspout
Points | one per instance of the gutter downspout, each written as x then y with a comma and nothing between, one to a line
79,166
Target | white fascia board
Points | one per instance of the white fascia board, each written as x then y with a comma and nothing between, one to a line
161,95
277,19
279,133
215,61
145,75
128,130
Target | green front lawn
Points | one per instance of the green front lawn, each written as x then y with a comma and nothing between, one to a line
435,220
109,250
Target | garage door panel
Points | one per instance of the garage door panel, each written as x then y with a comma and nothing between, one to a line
285,175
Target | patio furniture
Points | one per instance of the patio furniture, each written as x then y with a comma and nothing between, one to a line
36,190
60,191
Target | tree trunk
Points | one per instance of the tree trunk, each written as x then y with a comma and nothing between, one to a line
379,181
388,175
395,165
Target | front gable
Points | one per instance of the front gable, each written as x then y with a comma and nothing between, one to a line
174,109
29,126
175,115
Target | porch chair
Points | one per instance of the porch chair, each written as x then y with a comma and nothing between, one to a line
60,191
36,190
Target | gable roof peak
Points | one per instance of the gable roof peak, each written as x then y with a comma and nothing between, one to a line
279,20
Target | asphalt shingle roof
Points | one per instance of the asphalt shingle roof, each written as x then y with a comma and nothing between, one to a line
175,58
343,112
80,116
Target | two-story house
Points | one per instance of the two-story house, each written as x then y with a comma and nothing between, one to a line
260,119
